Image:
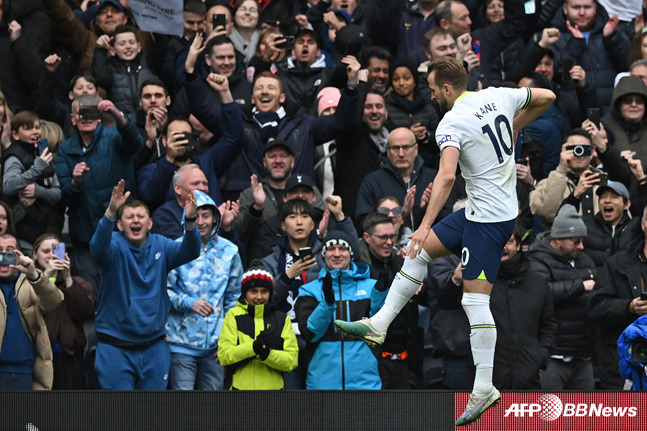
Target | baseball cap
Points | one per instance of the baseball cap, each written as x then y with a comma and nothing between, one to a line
615,186
277,143
299,180
115,3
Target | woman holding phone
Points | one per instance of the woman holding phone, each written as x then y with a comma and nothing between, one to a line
65,323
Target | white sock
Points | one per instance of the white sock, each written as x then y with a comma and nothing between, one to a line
405,284
482,339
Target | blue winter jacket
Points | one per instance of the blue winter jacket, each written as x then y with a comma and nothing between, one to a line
214,277
629,369
109,158
339,363
132,301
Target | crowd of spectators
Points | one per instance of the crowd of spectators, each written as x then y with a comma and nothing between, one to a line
297,140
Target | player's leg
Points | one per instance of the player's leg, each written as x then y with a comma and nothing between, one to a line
443,239
480,259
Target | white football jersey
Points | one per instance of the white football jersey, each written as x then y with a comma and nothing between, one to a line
480,126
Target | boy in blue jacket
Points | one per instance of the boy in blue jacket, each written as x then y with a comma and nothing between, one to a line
133,305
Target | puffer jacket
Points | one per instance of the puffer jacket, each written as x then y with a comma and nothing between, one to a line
302,84
622,134
214,277
241,327
339,363
600,244
629,369
35,299
602,57
575,332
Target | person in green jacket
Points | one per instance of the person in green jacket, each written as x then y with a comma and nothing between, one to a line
257,343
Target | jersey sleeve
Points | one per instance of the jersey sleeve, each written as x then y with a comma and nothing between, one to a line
448,135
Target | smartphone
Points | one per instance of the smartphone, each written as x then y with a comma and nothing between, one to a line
593,114
7,258
305,252
89,112
58,248
218,20
42,144
603,179
192,141
567,65
521,162
643,296
288,44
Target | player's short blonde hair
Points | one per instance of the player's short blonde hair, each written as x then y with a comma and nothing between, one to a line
448,70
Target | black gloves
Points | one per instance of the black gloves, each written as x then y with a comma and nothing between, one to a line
329,295
260,346
265,342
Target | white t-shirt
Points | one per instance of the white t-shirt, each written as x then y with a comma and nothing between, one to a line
480,126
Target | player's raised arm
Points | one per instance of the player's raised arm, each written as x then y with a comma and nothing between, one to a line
540,100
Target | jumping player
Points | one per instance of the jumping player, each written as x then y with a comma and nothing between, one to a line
476,133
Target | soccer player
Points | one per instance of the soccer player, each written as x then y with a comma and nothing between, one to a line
476,133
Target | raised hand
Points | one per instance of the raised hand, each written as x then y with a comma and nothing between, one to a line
117,199
194,51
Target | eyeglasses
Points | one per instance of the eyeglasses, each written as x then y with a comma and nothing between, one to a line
243,9
397,211
385,238
397,148
576,241
628,100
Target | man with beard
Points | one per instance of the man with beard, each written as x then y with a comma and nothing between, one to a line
557,257
477,232
377,61
155,180
364,143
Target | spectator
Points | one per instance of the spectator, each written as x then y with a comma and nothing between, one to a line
402,172
120,68
80,41
266,53
365,142
616,302
88,165
133,305
377,61
611,230
409,106
6,220
571,180
65,323
402,349
343,285
155,180
556,257
5,122
268,119
625,125
257,343
202,292
168,217
391,206
27,295
152,120
328,99
246,33
29,181
590,37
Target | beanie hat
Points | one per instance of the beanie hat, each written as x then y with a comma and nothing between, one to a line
328,97
256,276
568,224
337,237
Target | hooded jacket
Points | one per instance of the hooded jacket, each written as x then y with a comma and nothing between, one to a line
339,363
623,134
241,327
301,84
603,241
574,332
629,369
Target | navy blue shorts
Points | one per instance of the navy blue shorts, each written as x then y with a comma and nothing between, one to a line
479,245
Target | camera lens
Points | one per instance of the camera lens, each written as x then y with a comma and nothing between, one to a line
578,150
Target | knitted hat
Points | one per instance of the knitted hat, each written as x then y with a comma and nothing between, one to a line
568,224
337,237
256,276
328,97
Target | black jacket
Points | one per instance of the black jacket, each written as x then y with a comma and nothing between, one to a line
599,242
575,332
620,281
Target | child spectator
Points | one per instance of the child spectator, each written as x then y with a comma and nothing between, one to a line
121,69
257,343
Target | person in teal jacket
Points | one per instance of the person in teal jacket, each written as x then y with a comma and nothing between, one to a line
133,304
257,343
343,290
202,292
